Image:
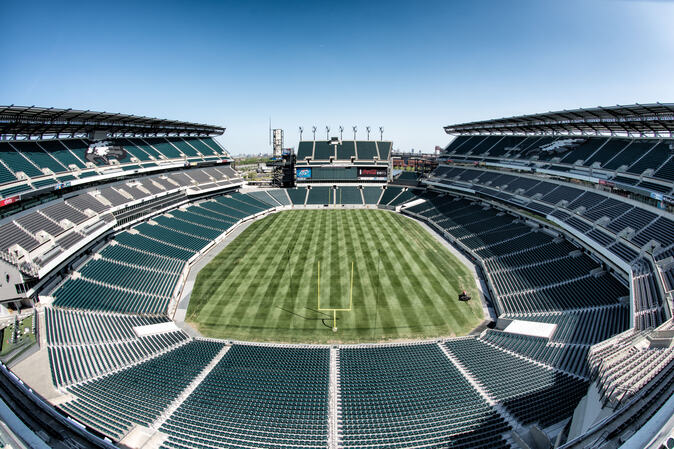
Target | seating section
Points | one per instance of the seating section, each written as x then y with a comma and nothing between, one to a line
411,396
616,155
47,233
320,196
390,193
407,195
532,393
602,217
81,293
583,326
649,306
257,396
281,196
82,345
305,149
348,195
371,195
298,195
407,178
384,149
323,151
266,198
69,159
567,358
346,150
138,395
366,150
630,364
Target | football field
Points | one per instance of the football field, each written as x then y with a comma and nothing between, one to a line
265,286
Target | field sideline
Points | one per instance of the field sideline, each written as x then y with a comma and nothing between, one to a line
263,285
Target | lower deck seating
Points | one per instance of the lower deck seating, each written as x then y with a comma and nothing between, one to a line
583,326
257,396
532,393
138,395
265,197
371,194
84,294
411,396
152,282
280,195
404,197
320,195
390,193
298,195
82,345
569,358
348,195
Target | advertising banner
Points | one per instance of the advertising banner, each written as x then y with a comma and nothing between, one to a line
303,173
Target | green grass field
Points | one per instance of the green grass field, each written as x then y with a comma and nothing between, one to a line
264,285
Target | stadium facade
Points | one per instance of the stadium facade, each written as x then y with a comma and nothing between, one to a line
568,216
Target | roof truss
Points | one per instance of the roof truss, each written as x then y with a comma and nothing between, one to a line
30,122
656,120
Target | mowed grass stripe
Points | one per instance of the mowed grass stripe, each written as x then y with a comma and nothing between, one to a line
389,312
365,281
450,275
210,277
400,257
262,286
437,297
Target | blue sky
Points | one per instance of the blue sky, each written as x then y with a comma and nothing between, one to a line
411,67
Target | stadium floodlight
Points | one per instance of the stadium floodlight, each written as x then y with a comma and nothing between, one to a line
355,128
367,128
381,133
301,129
327,132
341,130
313,129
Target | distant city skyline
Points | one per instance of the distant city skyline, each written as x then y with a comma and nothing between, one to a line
411,67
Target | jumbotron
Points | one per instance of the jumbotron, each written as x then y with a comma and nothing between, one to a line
515,290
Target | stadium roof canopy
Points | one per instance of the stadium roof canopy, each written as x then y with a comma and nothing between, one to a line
26,122
635,120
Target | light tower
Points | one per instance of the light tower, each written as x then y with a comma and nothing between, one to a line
313,129
355,128
341,130
301,129
367,128
381,133
327,132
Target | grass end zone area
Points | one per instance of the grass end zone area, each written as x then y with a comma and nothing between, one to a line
264,285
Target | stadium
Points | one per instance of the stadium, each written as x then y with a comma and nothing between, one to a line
337,225
518,295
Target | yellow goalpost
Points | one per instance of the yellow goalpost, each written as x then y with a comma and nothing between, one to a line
333,310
